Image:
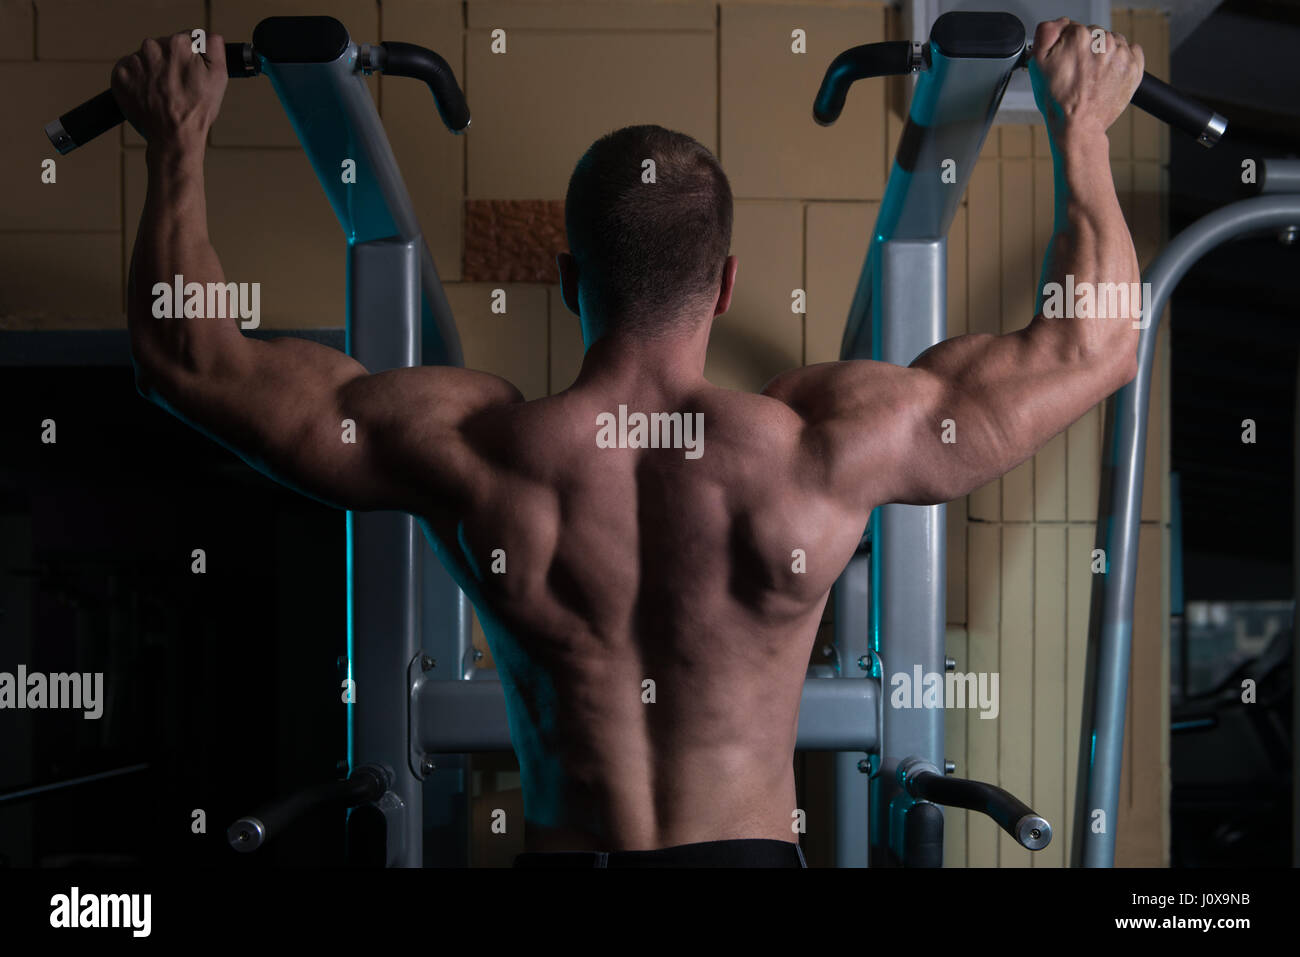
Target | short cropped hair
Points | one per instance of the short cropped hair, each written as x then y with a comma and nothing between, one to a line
648,250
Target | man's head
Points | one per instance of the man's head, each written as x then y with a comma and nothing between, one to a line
648,244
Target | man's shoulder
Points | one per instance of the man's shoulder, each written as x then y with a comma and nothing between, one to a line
829,391
808,390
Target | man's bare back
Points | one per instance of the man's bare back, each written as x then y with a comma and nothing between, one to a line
628,565
704,575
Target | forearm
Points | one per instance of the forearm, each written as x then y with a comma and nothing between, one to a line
173,241
1088,293
1009,394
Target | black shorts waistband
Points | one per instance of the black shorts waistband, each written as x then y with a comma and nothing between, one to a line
735,853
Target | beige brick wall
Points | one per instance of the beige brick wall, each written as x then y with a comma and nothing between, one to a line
806,198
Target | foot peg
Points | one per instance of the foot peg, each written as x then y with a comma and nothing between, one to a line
923,781
367,783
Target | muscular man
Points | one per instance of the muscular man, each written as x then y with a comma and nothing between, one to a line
633,563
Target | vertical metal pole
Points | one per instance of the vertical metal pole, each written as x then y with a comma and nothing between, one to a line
1110,624
852,786
908,547
384,552
1110,627
899,307
397,316
446,616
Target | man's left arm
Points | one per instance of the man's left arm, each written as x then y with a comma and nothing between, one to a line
283,405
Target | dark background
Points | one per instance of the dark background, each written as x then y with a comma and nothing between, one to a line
1235,334
224,683
1235,340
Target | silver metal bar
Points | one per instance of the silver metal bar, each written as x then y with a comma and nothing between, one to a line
458,716
446,616
950,115
839,715
908,553
1280,176
1110,627
899,310
852,789
372,201
384,552
397,316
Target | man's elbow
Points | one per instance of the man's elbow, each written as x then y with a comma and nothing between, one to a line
1110,366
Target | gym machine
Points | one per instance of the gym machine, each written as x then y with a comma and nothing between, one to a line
963,73
404,611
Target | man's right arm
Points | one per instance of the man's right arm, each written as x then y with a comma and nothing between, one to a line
973,407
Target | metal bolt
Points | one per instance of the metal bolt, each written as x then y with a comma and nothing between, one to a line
1287,235
864,662
865,765
427,766
949,664
949,767
427,663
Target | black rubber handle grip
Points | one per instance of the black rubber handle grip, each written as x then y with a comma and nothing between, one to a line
894,58
1180,111
890,58
1012,815
99,114
923,836
250,832
1157,98
408,59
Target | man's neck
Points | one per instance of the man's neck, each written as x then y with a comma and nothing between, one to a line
672,363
